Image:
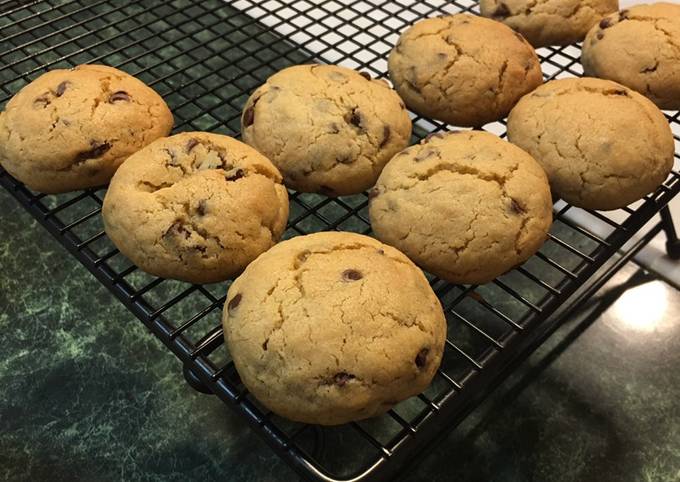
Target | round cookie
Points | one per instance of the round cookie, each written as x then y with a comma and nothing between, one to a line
463,69
328,129
333,327
549,22
602,145
71,129
196,207
652,65
466,206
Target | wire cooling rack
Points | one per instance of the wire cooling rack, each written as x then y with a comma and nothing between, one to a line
205,58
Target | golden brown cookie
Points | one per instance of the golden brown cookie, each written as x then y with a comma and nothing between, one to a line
602,145
328,129
549,22
71,129
463,69
196,207
333,327
639,48
466,206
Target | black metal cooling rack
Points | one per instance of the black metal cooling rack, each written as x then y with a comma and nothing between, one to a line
205,58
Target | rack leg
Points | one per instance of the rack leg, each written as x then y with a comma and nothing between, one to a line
672,241
194,382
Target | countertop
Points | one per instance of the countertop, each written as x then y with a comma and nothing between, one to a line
89,394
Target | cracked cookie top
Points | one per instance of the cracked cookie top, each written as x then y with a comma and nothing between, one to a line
328,129
602,145
463,69
549,22
71,129
196,207
333,327
464,205
639,48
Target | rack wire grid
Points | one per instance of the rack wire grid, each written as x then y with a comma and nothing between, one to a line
205,58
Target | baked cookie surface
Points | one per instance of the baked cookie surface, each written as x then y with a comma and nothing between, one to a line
71,129
196,207
466,206
463,69
602,145
639,48
328,129
549,22
333,327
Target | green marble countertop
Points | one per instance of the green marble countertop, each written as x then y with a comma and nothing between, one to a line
89,394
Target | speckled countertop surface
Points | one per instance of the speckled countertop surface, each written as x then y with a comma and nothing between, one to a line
88,394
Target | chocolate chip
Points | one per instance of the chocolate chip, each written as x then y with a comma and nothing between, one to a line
425,154
502,11
623,15
249,116
516,207
620,92
351,275
303,255
236,175
191,143
381,251
199,248
120,96
176,229
234,302
340,379
334,128
61,88
353,117
42,101
374,192
649,70
421,357
386,136
600,35
264,345
442,56
173,156
365,75
97,149
605,23
202,207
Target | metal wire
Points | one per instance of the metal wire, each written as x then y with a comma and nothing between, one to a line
205,58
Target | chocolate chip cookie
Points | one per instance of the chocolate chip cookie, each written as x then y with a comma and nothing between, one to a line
333,327
463,69
71,129
549,22
328,129
196,207
639,48
603,145
466,206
